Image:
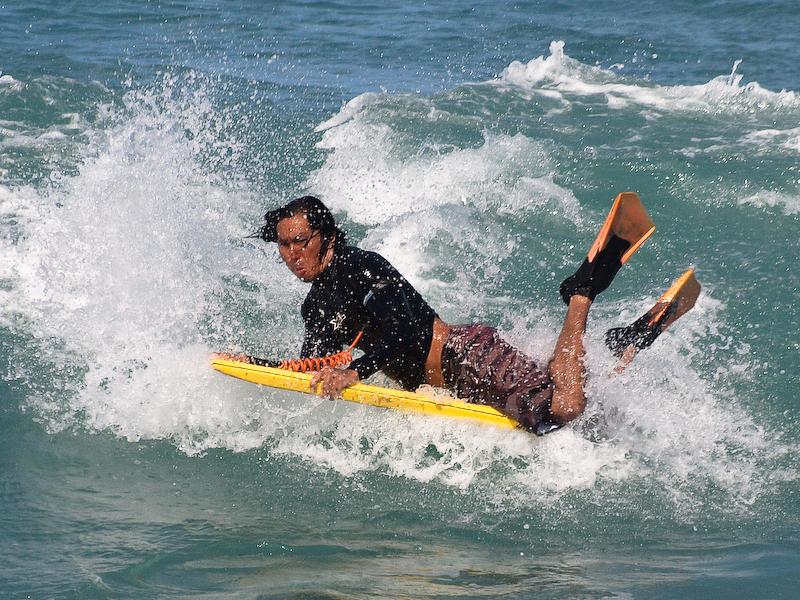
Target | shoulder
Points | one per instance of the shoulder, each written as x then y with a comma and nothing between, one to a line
361,270
367,264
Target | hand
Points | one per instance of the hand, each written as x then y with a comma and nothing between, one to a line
333,381
229,356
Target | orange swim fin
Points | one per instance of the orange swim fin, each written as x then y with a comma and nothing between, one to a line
679,299
627,220
626,228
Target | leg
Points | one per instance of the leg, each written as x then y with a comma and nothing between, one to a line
626,228
566,367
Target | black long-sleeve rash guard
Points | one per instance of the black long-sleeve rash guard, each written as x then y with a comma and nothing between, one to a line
361,291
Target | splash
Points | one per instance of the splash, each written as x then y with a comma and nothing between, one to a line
666,431
118,272
506,173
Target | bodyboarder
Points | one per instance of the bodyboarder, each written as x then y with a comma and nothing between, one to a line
358,298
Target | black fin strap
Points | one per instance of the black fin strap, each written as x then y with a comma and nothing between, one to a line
591,278
640,333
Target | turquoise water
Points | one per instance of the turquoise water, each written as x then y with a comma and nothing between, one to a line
478,148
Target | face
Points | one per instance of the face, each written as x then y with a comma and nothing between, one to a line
299,247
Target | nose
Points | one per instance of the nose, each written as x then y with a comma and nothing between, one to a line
295,250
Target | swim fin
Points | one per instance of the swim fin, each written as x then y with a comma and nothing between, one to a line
679,299
626,228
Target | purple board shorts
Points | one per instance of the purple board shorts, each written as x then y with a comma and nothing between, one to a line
482,368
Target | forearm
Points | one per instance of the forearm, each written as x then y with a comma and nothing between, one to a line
374,360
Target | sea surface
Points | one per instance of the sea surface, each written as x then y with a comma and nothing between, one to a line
478,146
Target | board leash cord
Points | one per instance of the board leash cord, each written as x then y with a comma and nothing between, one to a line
339,359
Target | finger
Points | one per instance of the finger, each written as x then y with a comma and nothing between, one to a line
327,376
334,386
331,385
314,384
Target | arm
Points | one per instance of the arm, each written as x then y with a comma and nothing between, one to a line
321,339
388,304
388,299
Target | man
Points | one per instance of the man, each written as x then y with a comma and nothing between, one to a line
354,292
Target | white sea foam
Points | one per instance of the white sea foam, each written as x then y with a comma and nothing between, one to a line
659,422
505,174
568,77
115,271
766,140
8,83
52,135
788,203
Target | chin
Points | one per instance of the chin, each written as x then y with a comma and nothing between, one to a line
305,277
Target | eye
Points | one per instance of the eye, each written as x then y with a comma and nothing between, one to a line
298,241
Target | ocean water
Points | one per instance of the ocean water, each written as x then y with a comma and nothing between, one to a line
478,147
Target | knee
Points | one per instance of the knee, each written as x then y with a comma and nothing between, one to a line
566,406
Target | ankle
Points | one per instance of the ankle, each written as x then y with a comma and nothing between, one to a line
580,300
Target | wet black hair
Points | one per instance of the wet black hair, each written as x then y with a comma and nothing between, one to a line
319,219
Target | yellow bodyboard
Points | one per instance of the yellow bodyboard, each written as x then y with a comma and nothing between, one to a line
368,394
